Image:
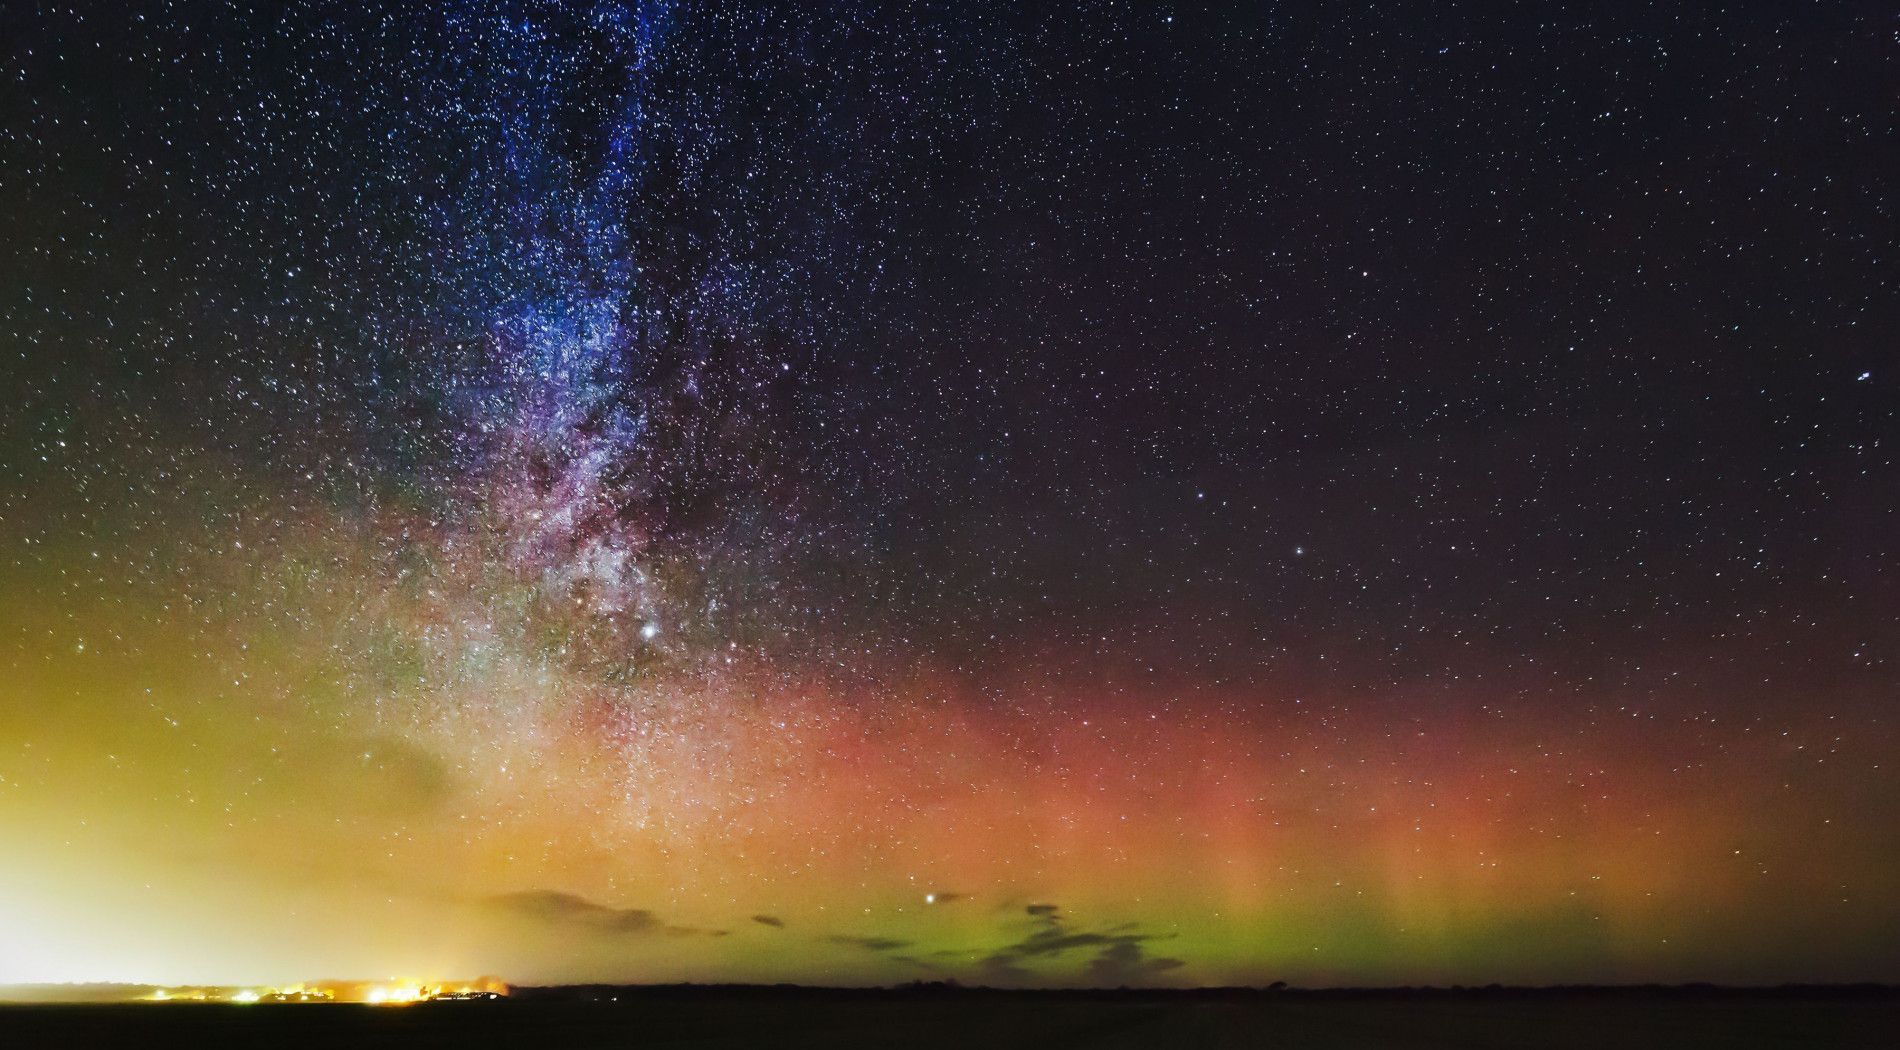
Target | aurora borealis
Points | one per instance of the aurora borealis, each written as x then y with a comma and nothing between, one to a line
845,494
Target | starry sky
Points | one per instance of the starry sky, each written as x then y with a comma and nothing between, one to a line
1096,494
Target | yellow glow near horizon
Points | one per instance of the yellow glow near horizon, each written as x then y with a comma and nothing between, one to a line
485,814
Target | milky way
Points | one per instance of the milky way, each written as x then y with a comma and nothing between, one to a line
1139,495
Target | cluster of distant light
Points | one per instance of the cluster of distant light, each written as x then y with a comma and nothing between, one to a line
394,992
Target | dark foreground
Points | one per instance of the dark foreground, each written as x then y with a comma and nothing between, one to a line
765,1017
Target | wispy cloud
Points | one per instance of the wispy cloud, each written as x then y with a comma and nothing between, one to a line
1121,954
575,913
874,944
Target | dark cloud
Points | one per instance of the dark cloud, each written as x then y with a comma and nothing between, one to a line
575,913
912,960
875,944
566,909
1121,954
769,920
1126,961
1001,968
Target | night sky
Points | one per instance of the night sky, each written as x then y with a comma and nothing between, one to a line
1022,494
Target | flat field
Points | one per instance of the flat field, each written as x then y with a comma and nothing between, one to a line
773,1018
